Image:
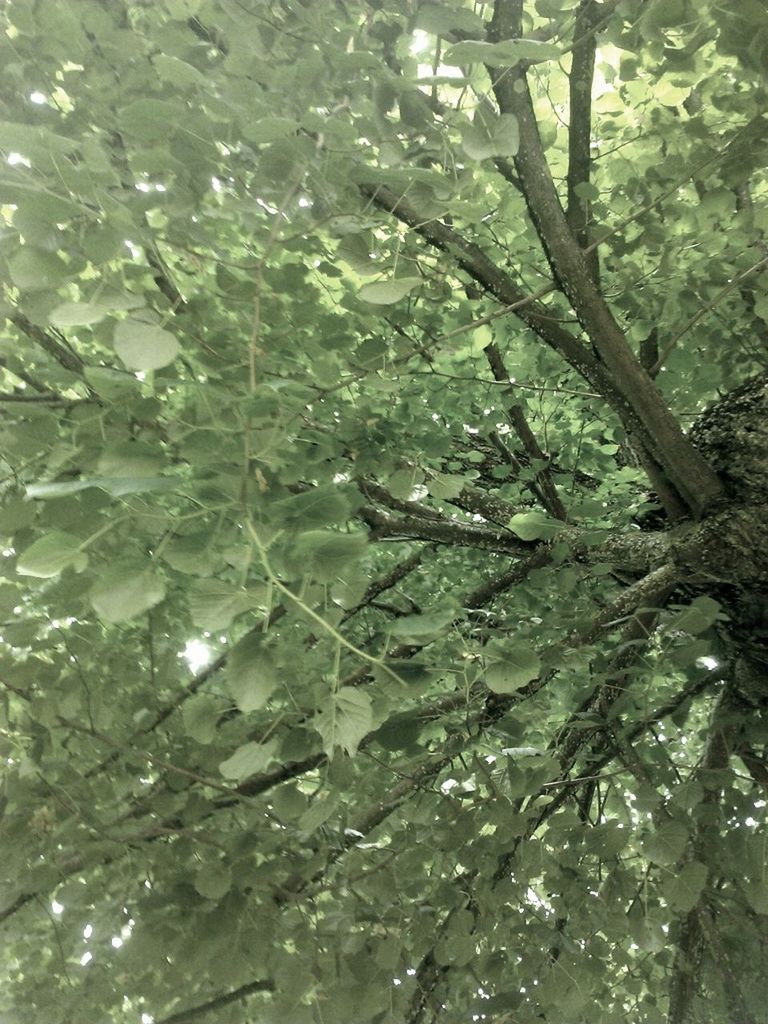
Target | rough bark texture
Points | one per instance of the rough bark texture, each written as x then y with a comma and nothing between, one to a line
733,437
727,553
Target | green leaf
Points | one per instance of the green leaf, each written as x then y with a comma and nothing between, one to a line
325,554
586,190
35,269
400,732
415,111
116,486
504,54
251,672
348,593
30,140
177,72
506,136
509,666
456,950
667,844
250,759
761,307
200,714
500,138
757,894
320,506
214,604
386,293
213,881
402,483
345,720
191,554
476,142
130,460
650,934
356,251
534,525
421,626
683,888
51,554
122,594
417,675
445,487
74,314
441,19
318,812
151,119
670,13
112,385
143,346
270,129
700,614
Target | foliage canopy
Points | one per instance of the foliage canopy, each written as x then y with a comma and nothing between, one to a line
362,349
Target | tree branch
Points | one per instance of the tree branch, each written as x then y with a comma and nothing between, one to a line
580,127
490,506
45,399
441,531
54,346
259,784
658,430
236,996
543,485
471,258
393,577
28,379
412,508
492,278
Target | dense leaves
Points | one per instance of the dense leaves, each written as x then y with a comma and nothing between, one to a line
383,625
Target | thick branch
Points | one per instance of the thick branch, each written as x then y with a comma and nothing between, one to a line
633,552
580,126
486,272
441,531
649,593
734,991
236,996
55,347
490,506
655,425
473,260
411,508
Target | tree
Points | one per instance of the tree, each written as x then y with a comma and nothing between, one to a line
363,349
